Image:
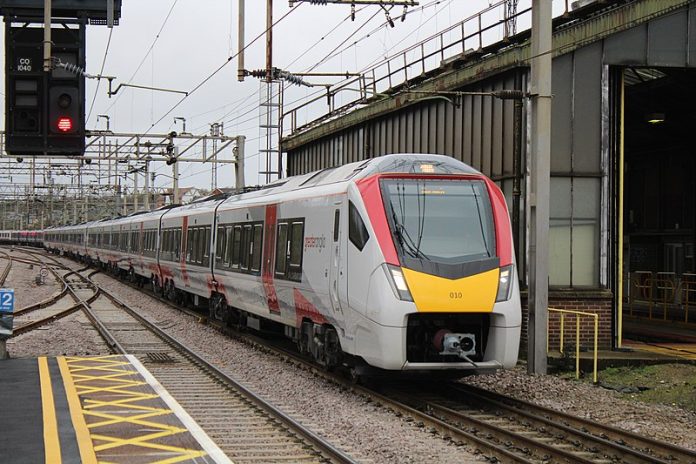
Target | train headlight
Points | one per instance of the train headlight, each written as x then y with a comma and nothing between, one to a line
398,282
505,284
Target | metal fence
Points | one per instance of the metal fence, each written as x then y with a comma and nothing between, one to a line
664,295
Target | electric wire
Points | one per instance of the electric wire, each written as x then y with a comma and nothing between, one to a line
101,72
220,68
149,51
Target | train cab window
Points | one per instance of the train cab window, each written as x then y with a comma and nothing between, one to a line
357,232
289,247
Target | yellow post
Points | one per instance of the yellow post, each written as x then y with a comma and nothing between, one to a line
596,338
561,334
577,346
578,314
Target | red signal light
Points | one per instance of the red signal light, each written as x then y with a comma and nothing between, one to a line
65,124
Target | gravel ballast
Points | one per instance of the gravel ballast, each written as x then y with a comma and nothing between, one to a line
367,430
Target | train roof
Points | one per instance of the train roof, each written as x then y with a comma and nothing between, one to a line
329,180
339,177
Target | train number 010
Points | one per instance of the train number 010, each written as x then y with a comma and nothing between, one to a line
456,295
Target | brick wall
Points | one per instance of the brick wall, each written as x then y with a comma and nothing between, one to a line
591,301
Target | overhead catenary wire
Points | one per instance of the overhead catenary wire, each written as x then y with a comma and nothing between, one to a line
218,69
149,51
101,72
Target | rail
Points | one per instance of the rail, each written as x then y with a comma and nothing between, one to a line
578,314
8,266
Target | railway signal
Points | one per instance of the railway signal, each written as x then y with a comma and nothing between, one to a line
44,78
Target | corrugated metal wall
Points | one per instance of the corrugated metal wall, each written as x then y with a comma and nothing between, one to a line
479,131
475,129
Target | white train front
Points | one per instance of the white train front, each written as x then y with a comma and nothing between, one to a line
403,262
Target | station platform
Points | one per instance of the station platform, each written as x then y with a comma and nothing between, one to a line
106,409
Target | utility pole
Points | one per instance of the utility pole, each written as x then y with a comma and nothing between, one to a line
47,62
135,191
240,43
239,166
269,41
175,183
215,131
540,180
147,185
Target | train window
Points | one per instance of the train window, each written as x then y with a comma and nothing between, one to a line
281,248
337,218
196,245
221,240
177,241
256,247
228,246
289,246
236,243
206,246
244,248
296,242
189,241
357,233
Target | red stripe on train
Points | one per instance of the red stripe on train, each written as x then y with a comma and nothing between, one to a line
268,259
372,197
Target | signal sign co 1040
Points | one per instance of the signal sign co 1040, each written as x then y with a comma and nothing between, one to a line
24,65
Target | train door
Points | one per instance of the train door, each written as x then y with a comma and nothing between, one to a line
337,278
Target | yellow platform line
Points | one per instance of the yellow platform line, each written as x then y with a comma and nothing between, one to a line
50,424
110,371
84,442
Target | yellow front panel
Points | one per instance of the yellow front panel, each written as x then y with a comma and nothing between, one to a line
469,294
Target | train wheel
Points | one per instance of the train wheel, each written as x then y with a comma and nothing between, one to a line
156,287
218,307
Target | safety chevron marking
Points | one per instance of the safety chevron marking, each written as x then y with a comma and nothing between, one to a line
125,420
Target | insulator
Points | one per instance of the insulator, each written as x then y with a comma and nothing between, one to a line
508,94
318,2
72,68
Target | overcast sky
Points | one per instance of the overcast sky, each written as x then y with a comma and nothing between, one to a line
192,38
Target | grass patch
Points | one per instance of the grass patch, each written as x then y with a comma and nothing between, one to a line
671,384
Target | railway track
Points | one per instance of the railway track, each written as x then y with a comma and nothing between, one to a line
519,431
76,288
8,267
501,427
243,425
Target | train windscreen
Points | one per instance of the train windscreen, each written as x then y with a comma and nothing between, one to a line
445,221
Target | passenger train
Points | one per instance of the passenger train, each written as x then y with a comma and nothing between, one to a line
402,263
